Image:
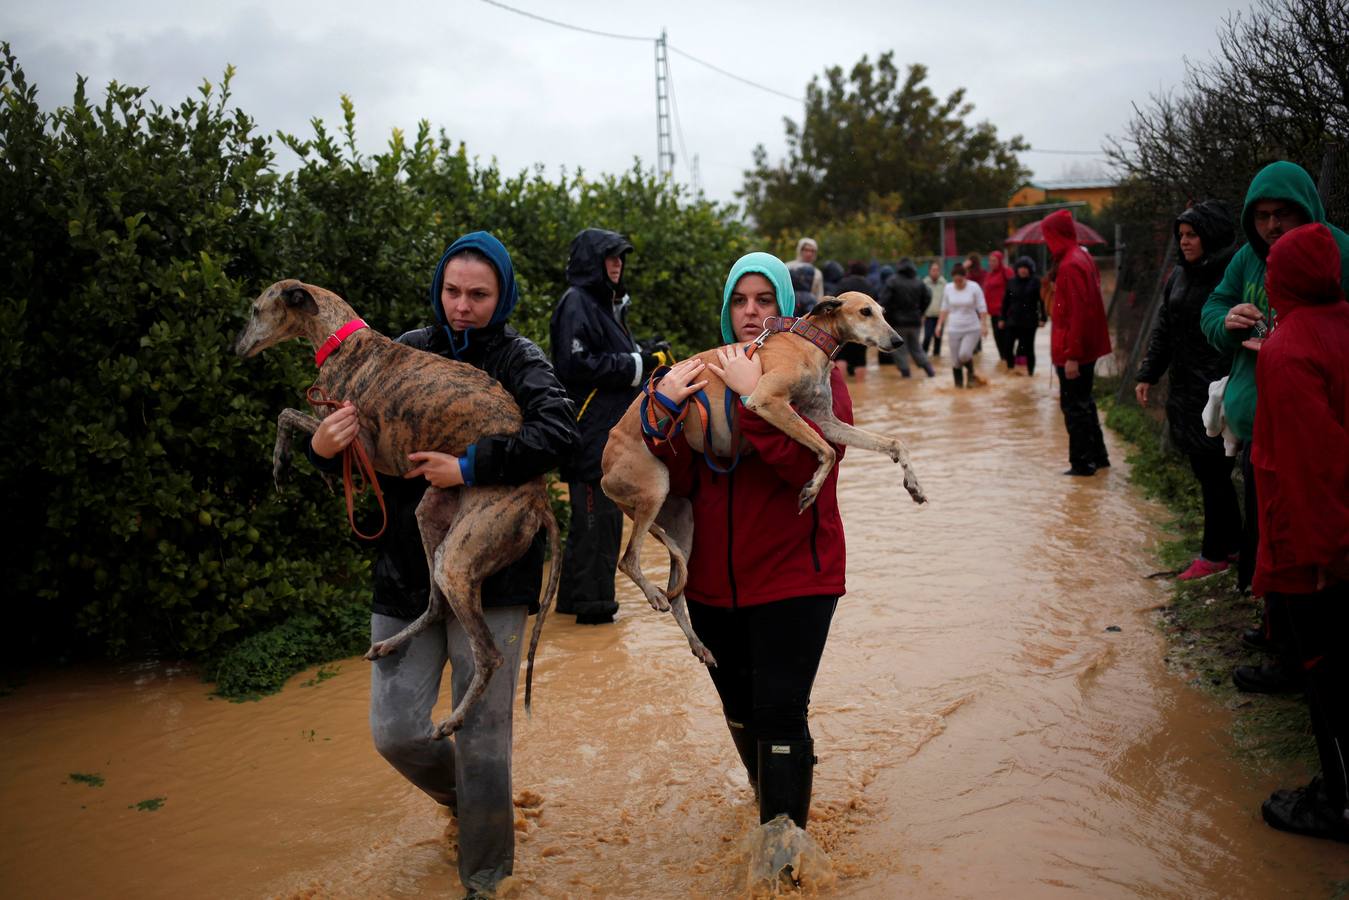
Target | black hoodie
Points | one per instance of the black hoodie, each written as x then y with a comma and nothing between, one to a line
1177,343
905,297
1022,308
596,358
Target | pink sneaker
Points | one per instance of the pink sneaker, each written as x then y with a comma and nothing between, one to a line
1201,568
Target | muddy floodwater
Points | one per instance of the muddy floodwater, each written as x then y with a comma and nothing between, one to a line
981,727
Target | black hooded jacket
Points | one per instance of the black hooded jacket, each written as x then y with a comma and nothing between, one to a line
1177,344
1022,307
904,297
593,349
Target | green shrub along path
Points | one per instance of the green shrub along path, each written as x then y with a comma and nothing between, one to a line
1204,620
136,454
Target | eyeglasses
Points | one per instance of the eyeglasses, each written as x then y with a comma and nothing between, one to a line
1281,215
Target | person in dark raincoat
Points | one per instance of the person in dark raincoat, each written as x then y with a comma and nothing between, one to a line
1023,312
803,277
905,299
602,367
1205,241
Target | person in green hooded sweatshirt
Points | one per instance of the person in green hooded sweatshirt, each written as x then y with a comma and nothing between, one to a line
764,579
1281,197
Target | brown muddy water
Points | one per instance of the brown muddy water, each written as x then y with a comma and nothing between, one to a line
980,731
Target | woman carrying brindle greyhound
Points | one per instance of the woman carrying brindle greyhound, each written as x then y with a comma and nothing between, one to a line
763,580
472,293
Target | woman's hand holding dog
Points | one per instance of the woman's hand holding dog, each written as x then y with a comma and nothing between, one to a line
441,469
336,431
739,372
679,383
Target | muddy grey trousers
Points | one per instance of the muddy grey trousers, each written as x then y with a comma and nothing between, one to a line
471,773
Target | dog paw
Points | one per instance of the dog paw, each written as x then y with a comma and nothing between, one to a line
915,489
448,727
808,495
704,656
659,602
380,650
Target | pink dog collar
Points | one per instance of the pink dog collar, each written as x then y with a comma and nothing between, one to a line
335,340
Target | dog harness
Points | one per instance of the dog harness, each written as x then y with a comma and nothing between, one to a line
659,432
335,340
353,455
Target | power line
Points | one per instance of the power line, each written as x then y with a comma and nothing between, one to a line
634,37
718,69
679,126
1067,152
530,15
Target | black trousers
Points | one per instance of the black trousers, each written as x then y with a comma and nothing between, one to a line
1222,514
1086,444
1320,626
1250,535
1023,344
767,657
931,339
591,557
1002,337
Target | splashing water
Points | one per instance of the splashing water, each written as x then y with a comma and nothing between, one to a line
783,857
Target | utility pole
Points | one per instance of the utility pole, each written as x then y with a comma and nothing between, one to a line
697,179
664,140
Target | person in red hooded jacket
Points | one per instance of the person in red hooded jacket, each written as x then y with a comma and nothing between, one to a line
764,577
1078,339
1300,454
995,287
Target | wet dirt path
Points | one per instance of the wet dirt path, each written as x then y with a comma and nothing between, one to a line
980,731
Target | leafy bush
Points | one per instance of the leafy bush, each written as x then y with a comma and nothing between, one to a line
136,447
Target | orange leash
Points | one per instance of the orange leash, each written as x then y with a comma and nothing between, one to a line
317,398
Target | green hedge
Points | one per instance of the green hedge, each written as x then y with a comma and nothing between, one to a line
135,463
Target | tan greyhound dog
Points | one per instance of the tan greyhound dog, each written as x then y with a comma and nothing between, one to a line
795,374
407,401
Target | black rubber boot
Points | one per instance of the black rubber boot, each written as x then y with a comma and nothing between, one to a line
969,375
959,375
746,742
786,773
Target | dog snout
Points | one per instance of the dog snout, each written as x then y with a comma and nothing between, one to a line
896,342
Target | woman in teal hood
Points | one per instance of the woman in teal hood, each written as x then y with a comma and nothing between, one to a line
764,577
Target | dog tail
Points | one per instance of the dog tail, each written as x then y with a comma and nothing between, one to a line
546,602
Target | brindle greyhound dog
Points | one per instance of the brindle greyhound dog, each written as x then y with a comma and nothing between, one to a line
408,400
795,374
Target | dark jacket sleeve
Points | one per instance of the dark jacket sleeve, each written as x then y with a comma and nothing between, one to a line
331,466
1160,342
579,348
548,435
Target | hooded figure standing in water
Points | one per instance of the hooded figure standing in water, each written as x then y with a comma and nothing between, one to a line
473,292
1079,338
601,366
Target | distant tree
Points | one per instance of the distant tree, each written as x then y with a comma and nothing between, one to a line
875,140
1276,88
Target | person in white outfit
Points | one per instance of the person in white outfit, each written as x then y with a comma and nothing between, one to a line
963,319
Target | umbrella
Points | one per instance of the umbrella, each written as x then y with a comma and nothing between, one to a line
1030,234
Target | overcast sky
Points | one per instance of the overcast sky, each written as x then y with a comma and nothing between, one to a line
1061,74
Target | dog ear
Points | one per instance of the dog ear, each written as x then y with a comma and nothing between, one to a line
826,306
300,299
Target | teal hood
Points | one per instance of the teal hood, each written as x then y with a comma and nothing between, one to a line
1279,181
767,265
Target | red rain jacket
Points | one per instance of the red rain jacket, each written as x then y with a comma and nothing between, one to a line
1300,448
995,283
750,545
1079,331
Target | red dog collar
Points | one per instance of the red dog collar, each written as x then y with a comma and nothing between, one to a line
335,340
